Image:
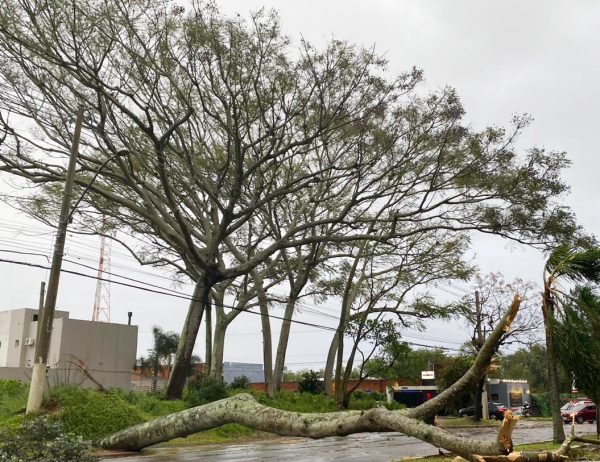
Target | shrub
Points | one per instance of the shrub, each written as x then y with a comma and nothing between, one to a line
42,440
540,404
13,398
203,390
91,414
153,404
310,383
240,383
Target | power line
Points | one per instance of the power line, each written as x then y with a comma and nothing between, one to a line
184,297
190,298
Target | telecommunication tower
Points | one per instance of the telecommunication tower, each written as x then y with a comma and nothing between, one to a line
102,298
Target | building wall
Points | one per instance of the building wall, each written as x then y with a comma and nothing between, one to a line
232,370
511,393
73,376
4,337
369,385
107,350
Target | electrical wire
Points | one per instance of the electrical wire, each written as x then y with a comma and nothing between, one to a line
191,298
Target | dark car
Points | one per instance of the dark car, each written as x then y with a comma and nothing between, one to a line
495,413
583,412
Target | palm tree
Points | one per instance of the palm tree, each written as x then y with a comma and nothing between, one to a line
577,343
570,264
165,347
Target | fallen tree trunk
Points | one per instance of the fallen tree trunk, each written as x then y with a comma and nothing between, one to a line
244,409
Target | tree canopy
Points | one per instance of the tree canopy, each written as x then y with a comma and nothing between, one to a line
216,147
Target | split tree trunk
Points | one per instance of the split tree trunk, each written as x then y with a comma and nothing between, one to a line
244,409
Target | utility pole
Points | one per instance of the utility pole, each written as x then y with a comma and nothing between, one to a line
485,412
46,316
40,308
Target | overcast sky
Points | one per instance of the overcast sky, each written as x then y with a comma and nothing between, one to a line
535,57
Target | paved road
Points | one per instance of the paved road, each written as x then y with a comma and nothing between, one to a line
371,447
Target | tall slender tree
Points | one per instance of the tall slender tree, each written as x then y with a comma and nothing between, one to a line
568,263
577,343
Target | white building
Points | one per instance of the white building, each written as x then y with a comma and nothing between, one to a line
106,350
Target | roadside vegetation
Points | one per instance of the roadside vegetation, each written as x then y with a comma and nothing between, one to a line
88,415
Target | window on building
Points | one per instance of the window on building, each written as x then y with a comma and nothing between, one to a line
17,343
516,398
35,317
495,397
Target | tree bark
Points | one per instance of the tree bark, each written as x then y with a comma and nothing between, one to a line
284,336
208,341
218,348
328,373
266,334
558,432
243,409
478,404
187,340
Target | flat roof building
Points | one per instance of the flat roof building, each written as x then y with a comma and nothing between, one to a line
106,350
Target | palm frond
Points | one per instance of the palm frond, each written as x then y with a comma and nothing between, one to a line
574,264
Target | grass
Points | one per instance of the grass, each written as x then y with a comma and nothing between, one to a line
93,415
13,398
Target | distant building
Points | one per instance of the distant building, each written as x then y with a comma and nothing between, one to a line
511,393
254,372
106,350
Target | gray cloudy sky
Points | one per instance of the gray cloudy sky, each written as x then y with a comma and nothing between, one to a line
538,57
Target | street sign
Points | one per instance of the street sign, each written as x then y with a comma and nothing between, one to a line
427,375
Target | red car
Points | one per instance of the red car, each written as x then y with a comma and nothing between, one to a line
501,407
584,412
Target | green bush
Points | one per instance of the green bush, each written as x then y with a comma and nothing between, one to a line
240,383
540,403
42,440
91,414
13,398
203,390
153,404
310,383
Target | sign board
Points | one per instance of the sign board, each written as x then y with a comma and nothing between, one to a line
427,375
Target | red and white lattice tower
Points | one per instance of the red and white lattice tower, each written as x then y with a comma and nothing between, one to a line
102,298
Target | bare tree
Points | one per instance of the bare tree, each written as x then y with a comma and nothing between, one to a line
483,312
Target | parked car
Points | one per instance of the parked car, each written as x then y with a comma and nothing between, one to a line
584,412
495,413
571,404
501,407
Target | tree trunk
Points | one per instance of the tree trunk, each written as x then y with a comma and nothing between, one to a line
284,336
558,432
244,409
218,348
187,340
342,395
328,374
208,341
478,404
266,334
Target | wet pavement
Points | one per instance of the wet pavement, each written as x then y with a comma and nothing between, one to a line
371,447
